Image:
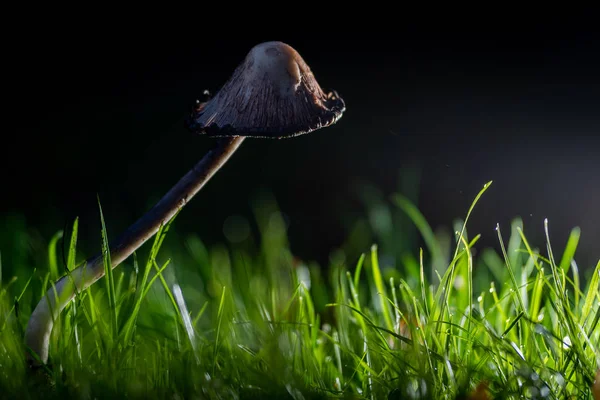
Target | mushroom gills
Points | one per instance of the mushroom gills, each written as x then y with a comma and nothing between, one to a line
271,94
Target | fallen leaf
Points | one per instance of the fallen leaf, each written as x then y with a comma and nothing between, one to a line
481,392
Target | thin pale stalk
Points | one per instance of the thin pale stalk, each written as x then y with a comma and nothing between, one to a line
39,328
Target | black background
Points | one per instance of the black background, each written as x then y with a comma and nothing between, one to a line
99,111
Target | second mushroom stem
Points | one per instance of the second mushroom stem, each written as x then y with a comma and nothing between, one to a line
37,334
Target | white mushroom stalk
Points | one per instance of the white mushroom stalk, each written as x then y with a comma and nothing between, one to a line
272,94
37,334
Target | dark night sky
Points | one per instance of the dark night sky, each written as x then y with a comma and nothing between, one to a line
107,118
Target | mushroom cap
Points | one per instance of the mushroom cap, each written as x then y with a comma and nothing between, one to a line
272,94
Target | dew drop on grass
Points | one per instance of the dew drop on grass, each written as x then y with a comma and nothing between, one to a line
480,299
559,379
545,391
459,282
337,384
540,317
304,275
566,343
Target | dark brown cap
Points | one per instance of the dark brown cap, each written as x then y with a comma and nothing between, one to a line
272,94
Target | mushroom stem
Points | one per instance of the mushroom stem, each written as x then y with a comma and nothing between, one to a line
39,327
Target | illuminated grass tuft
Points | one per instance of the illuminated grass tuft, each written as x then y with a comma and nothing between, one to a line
250,320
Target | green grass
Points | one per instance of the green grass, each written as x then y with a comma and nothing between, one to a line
249,320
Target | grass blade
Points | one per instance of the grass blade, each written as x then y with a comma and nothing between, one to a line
219,323
144,285
471,208
359,265
52,257
73,246
593,295
570,249
109,278
384,298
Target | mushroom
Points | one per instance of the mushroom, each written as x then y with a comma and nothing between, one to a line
272,94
